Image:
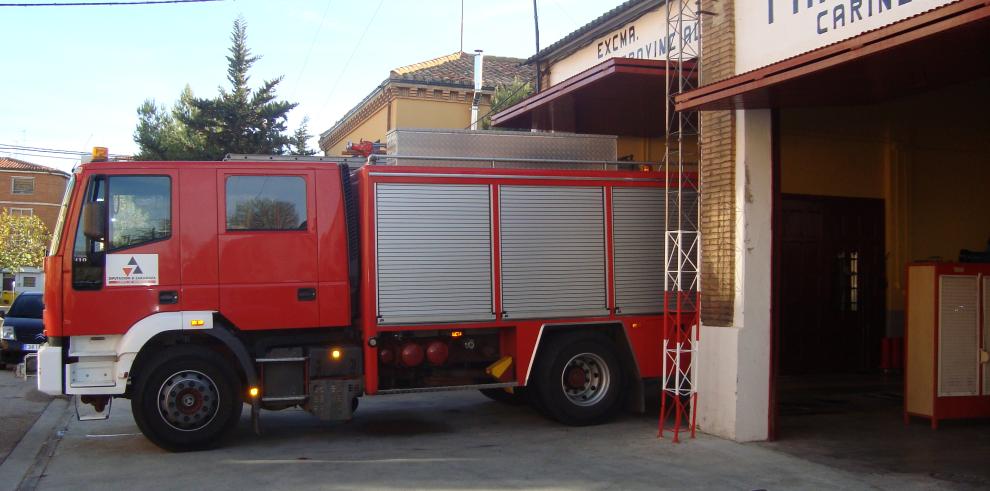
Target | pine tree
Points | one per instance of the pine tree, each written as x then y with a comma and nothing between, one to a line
238,120
300,137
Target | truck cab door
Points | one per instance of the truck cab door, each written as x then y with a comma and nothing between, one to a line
268,248
125,258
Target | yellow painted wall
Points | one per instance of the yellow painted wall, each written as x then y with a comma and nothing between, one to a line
411,113
831,152
948,161
927,156
641,149
372,129
425,113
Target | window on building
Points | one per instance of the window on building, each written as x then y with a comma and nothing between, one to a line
848,281
266,203
29,281
22,185
20,212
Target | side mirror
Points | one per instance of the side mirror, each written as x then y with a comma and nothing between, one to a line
95,220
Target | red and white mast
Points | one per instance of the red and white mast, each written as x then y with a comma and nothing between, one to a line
682,240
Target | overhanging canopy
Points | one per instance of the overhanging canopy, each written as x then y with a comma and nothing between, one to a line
937,48
620,96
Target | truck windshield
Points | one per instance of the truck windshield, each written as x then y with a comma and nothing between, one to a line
29,306
62,211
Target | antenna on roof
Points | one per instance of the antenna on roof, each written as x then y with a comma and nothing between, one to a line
462,26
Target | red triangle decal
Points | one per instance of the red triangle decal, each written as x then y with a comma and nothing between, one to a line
127,271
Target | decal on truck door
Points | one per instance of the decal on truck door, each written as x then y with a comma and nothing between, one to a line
132,269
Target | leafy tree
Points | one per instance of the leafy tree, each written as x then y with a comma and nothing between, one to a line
300,137
23,240
505,96
238,120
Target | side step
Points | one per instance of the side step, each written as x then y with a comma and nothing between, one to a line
499,385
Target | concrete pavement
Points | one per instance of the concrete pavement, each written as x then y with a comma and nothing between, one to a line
20,406
457,440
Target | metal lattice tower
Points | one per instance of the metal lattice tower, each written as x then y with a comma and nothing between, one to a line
682,241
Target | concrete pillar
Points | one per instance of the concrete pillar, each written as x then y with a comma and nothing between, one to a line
733,370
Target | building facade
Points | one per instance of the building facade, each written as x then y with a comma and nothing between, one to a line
436,93
31,189
839,143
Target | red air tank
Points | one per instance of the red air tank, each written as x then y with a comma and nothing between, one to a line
437,352
412,354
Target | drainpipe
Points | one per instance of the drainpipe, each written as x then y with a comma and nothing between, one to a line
478,62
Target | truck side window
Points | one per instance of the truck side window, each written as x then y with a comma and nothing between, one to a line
140,210
266,203
88,254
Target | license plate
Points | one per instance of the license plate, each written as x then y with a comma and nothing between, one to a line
31,347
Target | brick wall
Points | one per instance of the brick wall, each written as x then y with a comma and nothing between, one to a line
718,159
48,190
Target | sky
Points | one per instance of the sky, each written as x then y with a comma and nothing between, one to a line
74,76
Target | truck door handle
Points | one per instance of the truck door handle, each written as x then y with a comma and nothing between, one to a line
306,294
168,297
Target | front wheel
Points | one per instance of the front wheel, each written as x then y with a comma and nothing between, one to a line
187,398
578,379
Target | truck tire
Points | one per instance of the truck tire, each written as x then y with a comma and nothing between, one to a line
187,398
515,398
578,379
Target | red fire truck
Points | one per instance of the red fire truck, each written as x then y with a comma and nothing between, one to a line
193,288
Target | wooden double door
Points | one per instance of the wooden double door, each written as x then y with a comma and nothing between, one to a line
832,284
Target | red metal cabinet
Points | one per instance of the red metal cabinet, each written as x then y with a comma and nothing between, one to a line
948,330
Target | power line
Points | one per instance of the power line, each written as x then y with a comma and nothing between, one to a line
351,57
42,156
102,4
310,52
39,149
494,107
45,152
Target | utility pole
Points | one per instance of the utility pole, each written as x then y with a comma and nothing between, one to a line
536,25
462,25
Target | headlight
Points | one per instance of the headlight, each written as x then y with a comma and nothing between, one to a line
8,333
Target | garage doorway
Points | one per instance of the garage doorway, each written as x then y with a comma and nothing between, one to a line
862,191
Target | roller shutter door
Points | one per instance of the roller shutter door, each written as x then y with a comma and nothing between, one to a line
638,235
553,251
434,256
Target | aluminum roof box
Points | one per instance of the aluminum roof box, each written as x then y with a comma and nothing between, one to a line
500,149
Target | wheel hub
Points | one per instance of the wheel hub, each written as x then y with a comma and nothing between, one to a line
576,378
585,380
188,400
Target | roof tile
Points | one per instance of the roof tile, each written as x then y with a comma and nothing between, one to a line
457,69
7,163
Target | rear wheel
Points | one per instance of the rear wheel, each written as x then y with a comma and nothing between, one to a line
578,379
187,398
